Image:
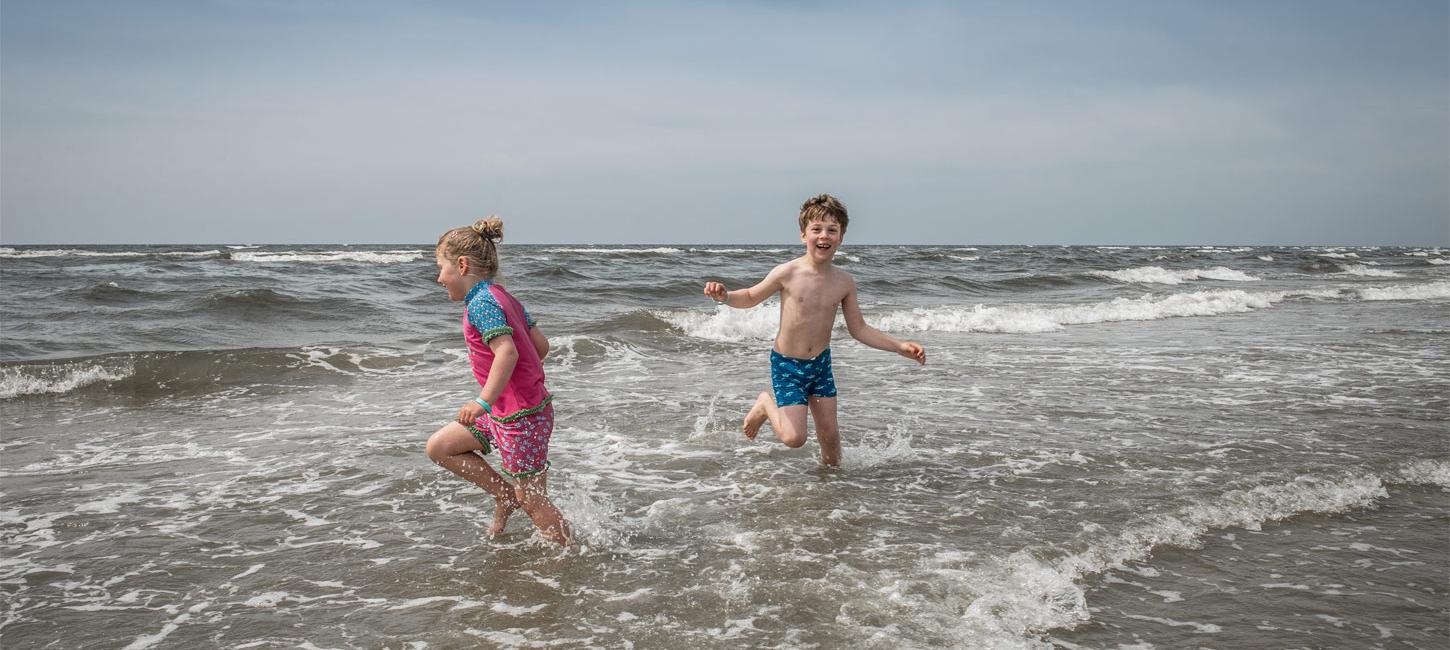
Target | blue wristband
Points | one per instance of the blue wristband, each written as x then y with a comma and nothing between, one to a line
484,404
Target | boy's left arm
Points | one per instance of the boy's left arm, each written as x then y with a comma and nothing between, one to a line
856,325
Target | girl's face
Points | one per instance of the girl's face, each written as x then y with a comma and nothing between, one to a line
452,274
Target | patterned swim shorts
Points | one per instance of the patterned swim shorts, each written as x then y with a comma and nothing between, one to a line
796,380
523,444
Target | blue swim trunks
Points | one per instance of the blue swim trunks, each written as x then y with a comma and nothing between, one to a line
796,380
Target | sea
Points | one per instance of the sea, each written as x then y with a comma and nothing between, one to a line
1136,447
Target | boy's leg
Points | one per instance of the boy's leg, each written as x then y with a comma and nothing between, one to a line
533,493
823,411
452,447
788,422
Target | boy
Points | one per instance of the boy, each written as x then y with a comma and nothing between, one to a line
811,288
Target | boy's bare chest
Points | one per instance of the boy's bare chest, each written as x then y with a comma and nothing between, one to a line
812,294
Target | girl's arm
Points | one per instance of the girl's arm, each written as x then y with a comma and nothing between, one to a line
505,355
541,343
856,325
747,298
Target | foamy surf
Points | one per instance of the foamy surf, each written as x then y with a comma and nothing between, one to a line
19,380
375,257
1031,319
1029,593
1160,275
734,325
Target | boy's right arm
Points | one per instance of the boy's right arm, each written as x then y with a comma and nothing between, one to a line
747,298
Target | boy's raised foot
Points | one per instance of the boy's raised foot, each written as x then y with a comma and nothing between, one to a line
755,417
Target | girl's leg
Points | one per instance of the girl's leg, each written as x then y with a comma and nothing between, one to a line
823,411
452,447
788,422
533,493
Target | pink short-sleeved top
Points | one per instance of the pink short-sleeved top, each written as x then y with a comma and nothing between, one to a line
493,311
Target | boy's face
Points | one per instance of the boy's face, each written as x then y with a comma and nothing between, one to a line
822,237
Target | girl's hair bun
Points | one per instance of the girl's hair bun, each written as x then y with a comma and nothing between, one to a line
490,228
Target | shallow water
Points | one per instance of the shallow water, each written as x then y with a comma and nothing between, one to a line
1109,447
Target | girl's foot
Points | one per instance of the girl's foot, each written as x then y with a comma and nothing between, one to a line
502,508
754,418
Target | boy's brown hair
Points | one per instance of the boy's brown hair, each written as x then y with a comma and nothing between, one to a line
823,207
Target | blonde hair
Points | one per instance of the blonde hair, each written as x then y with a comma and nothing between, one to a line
823,207
478,243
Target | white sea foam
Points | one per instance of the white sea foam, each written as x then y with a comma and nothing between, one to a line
1425,472
1365,271
1027,319
739,250
663,250
1023,594
1267,258
192,253
143,642
1438,261
1339,256
891,451
727,323
376,257
6,251
733,325
41,380
1160,275
1430,291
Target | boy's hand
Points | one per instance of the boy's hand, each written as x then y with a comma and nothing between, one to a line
470,413
912,350
716,291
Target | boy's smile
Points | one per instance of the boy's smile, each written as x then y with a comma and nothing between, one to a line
822,238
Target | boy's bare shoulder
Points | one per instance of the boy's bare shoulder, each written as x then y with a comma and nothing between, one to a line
786,267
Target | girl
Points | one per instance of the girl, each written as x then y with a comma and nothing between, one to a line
513,412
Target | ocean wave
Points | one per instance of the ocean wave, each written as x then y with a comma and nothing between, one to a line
111,293
59,378
663,250
726,323
733,325
65,252
1160,275
374,257
740,250
1438,261
1365,271
165,374
1430,291
1025,594
1424,472
1029,319
9,252
268,303
640,320
557,272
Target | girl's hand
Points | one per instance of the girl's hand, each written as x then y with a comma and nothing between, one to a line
716,291
470,413
912,350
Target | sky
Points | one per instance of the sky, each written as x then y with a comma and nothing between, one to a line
349,121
